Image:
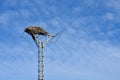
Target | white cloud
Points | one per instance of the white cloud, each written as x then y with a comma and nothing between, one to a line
16,52
114,4
3,19
15,69
9,18
110,16
77,54
83,58
9,3
114,7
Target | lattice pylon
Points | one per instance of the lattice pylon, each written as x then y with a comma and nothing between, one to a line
40,62
40,46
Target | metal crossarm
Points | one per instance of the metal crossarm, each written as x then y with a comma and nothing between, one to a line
47,40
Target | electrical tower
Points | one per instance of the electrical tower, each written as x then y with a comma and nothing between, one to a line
40,45
33,31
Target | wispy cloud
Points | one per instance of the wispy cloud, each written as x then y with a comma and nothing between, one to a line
87,49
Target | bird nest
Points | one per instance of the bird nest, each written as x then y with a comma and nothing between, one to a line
33,30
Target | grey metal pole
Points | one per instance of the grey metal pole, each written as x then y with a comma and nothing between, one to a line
40,61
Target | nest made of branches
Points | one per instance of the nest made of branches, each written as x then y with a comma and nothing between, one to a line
33,30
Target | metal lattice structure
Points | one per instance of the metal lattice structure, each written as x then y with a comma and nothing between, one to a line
33,31
40,45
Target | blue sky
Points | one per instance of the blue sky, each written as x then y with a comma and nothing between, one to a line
89,48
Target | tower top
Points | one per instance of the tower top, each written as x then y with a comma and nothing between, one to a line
34,30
